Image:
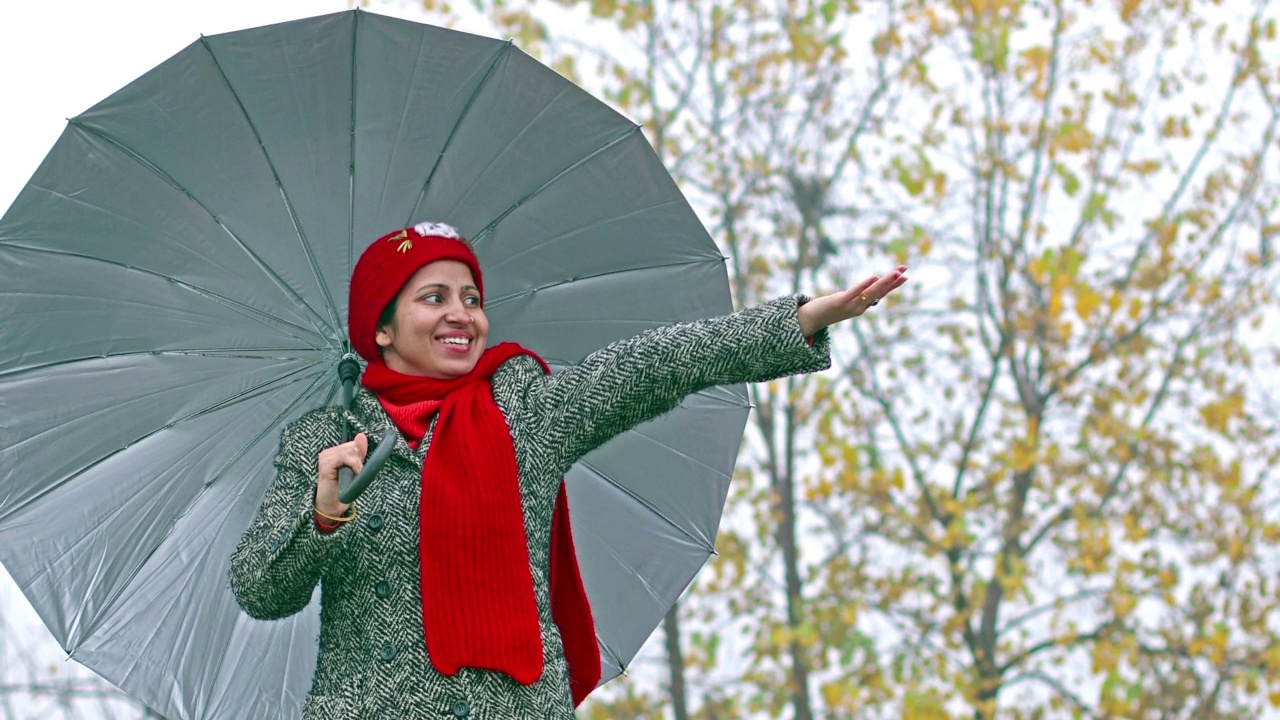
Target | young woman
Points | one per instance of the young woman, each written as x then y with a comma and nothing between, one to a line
454,590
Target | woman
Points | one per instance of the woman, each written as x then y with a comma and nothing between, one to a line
453,590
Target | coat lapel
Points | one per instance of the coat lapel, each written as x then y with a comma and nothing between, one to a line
370,418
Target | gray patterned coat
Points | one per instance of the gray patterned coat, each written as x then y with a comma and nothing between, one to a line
373,659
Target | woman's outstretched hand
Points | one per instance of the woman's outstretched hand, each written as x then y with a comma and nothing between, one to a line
828,310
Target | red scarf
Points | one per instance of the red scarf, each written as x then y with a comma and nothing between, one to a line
478,608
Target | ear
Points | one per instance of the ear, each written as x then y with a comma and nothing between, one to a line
385,336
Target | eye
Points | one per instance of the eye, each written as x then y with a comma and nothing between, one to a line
433,298
472,301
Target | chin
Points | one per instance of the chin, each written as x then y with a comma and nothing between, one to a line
457,368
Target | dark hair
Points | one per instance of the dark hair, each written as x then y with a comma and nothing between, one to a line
388,316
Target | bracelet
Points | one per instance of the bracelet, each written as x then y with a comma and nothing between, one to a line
347,518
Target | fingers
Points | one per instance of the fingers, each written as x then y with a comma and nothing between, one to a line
862,286
348,454
859,298
879,285
887,284
837,307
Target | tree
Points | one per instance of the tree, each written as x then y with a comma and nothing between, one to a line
1036,485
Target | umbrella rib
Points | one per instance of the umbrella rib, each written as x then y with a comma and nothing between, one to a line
700,542
633,130
284,195
249,312
198,413
258,353
233,353
246,395
551,285
453,131
280,282
266,428
561,237
710,468
221,658
406,116
613,654
75,628
351,164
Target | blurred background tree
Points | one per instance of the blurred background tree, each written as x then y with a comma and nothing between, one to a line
1038,482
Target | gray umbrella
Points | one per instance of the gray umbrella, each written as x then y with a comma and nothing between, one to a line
174,279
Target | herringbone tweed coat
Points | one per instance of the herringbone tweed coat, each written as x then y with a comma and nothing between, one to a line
373,660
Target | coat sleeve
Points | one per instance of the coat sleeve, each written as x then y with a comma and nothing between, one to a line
631,381
279,560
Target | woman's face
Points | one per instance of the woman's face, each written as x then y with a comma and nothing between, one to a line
439,329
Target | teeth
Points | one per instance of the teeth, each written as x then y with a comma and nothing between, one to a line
456,341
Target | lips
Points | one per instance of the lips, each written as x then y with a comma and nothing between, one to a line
458,344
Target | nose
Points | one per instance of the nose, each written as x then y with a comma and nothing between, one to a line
457,313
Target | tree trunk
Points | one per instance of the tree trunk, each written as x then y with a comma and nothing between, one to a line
675,663
786,538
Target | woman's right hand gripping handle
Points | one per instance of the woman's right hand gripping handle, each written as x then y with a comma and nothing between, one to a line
266,587
348,454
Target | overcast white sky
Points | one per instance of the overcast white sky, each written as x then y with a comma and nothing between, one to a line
62,56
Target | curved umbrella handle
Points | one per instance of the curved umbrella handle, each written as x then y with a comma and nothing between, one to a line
349,489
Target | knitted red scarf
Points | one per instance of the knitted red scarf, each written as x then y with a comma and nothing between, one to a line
478,608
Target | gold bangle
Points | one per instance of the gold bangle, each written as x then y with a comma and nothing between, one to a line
331,518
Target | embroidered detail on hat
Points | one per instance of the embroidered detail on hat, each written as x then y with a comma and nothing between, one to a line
405,246
435,229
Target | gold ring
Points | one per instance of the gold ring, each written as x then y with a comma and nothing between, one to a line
868,300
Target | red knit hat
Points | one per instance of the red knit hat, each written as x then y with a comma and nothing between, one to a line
387,265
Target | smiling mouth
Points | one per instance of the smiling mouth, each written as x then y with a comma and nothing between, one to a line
457,342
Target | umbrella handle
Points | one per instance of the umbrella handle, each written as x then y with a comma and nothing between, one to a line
349,489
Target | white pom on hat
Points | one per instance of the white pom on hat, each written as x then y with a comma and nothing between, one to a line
435,229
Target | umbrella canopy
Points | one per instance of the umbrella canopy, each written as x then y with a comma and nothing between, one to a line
175,276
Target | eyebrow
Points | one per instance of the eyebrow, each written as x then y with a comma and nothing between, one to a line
445,286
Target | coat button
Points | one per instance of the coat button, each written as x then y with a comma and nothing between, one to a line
383,589
461,709
376,521
388,652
